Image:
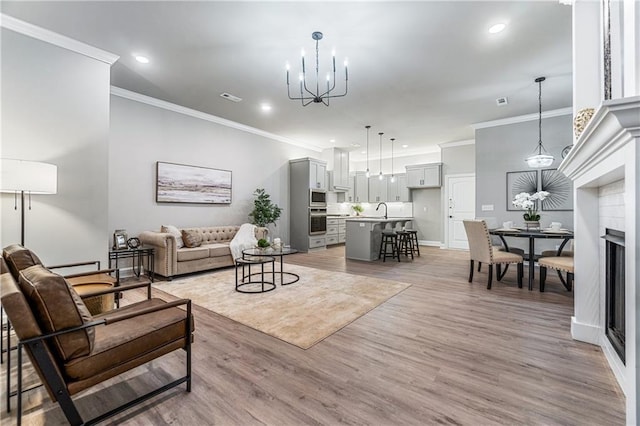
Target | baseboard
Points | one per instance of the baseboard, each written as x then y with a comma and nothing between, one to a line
585,332
429,243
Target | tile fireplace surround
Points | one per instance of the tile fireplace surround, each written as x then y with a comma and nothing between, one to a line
608,151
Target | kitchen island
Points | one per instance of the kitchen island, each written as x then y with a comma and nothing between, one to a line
363,235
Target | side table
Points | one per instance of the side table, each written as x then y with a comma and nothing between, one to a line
136,255
245,280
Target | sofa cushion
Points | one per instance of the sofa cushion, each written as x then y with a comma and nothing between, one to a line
191,238
175,232
194,253
57,306
124,341
19,258
216,234
216,250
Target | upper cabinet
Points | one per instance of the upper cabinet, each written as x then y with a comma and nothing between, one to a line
397,190
316,170
341,170
360,188
317,174
424,175
377,189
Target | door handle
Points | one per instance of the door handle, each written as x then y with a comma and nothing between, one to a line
450,217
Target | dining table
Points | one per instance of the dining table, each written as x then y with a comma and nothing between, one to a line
533,234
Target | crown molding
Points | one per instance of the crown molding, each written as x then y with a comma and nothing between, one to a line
522,118
33,31
456,143
127,94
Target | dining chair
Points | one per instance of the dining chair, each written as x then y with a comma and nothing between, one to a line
560,264
481,250
496,242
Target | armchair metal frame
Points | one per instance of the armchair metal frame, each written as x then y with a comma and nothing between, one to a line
56,382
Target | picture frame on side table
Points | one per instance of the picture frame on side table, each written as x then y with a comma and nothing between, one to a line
120,240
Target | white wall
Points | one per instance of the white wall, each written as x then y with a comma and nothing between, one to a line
55,109
142,134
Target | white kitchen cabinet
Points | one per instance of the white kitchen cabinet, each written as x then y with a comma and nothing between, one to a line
424,175
377,189
317,174
361,188
340,170
335,230
351,194
397,191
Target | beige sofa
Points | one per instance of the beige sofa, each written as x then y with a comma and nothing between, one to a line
214,251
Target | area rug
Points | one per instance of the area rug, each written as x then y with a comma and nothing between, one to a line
303,314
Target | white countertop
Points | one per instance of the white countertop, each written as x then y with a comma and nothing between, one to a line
380,219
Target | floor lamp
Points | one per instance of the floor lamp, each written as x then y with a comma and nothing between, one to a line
30,177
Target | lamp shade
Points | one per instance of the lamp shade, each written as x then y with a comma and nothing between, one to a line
29,176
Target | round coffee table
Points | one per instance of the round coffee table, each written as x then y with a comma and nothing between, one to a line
273,252
246,284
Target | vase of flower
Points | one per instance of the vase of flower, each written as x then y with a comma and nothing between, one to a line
529,202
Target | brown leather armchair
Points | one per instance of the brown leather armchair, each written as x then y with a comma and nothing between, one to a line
71,350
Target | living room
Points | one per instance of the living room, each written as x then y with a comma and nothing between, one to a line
61,107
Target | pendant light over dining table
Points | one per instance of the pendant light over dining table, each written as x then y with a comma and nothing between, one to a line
540,159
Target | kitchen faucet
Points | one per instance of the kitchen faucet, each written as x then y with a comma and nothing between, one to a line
385,209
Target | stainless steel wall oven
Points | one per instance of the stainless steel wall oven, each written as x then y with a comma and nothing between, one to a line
317,221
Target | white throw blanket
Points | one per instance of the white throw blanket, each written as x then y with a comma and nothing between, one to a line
244,239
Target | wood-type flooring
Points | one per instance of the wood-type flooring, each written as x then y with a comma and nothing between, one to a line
444,351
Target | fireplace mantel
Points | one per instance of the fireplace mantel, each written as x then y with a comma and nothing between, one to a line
606,155
615,124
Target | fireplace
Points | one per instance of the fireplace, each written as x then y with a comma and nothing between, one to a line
614,285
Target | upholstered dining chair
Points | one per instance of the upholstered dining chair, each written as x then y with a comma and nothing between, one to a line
492,222
560,264
481,250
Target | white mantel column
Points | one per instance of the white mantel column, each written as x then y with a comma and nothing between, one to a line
587,68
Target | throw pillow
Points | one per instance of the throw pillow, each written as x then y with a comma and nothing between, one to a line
175,232
58,306
191,238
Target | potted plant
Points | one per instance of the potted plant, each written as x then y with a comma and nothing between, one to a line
528,202
358,209
264,211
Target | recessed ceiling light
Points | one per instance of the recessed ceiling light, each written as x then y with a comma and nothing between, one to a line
332,140
265,107
363,152
355,144
494,29
405,146
142,59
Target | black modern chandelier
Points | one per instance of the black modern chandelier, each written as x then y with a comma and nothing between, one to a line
308,96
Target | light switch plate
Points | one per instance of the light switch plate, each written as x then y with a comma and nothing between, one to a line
487,207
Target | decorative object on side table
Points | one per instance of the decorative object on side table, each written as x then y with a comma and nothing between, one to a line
120,239
133,243
529,202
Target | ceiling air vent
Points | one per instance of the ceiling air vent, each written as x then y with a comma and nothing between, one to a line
502,101
230,97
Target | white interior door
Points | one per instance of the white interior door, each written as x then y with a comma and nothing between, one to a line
461,193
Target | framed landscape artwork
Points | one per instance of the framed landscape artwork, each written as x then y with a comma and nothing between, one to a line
179,183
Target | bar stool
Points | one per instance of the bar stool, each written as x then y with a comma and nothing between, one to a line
389,238
413,235
405,244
